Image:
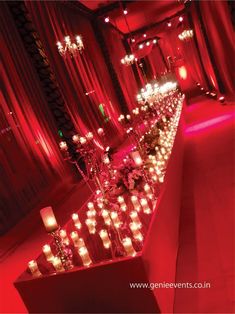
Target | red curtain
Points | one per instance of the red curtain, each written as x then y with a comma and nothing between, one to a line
84,80
220,33
30,162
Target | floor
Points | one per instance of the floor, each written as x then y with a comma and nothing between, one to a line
207,218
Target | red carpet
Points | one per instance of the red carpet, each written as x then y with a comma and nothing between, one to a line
206,231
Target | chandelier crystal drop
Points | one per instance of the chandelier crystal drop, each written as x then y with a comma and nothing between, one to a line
70,48
186,34
128,59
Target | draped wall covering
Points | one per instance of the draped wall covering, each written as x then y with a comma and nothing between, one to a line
84,80
30,162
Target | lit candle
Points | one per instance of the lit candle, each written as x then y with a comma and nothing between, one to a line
127,243
105,238
135,202
47,252
100,131
106,160
82,140
48,219
57,264
91,214
116,221
63,145
145,206
136,232
86,260
76,138
33,267
136,158
122,203
76,221
148,191
78,242
91,223
89,135
106,217
63,235
135,218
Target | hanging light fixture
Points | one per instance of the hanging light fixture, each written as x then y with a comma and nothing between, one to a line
186,34
70,48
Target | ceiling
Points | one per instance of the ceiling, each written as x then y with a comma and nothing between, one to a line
140,13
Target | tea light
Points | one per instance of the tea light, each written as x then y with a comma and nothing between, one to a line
83,140
136,232
127,243
145,206
86,260
63,145
136,158
63,235
76,138
100,131
135,218
76,221
33,267
105,238
47,252
135,202
48,219
116,221
57,264
91,223
106,217
78,242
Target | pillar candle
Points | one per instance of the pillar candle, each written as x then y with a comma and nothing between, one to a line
105,238
57,264
78,242
135,202
76,138
63,235
63,145
106,217
148,191
48,219
47,252
135,218
136,158
91,223
127,243
76,221
83,140
122,203
136,232
116,221
145,206
86,260
33,267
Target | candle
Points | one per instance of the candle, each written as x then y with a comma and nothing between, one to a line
128,117
106,160
82,140
105,238
148,191
76,138
91,214
122,203
86,260
63,145
135,202
63,235
48,219
127,243
47,252
33,267
57,264
91,223
136,158
116,221
145,206
136,232
89,135
78,242
106,217
135,218
76,221
90,205
100,131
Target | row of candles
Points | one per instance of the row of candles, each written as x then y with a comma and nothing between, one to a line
112,217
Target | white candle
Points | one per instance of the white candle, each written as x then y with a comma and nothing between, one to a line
136,158
82,140
106,217
105,238
89,135
135,202
63,145
57,264
122,203
91,223
135,218
76,221
48,219
116,221
145,206
76,138
78,242
33,267
64,236
86,260
136,232
127,243
47,252
148,191
100,131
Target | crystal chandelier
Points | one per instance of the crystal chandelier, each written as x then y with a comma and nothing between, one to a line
128,59
186,34
71,48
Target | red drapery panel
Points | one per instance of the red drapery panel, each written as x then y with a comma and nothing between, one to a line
30,162
217,22
84,80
